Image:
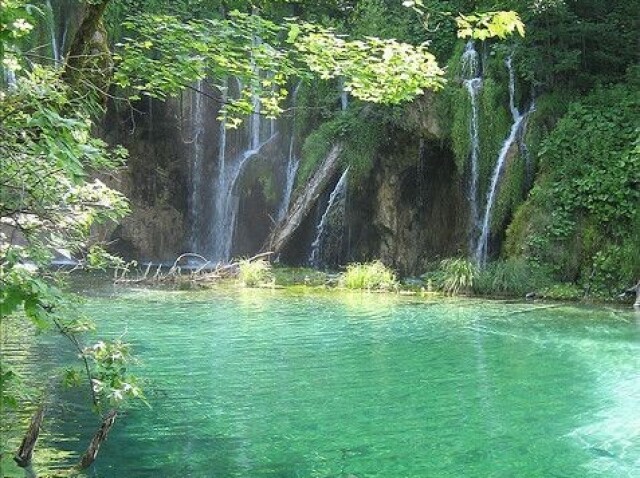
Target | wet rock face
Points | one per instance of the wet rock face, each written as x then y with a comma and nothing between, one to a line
412,212
155,180
154,233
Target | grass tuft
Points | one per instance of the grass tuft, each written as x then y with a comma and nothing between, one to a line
369,276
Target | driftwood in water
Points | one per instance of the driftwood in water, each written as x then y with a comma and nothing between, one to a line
283,231
24,456
207,272
101,435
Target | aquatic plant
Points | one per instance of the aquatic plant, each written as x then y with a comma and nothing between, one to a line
457,275
254,273
372,275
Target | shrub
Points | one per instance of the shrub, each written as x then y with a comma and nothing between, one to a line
372,275
254,273
457,275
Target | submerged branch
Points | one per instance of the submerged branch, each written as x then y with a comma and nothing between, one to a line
101,435
24,455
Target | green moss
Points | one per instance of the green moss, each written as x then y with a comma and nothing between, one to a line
510,193
361,137
494,122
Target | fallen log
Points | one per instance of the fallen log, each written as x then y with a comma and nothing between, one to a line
283,231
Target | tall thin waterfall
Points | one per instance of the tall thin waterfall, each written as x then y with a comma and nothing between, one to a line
471,75
198,122
336,204
292,164
481,248
55,49
344,96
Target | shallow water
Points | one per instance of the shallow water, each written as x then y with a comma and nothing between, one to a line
255,383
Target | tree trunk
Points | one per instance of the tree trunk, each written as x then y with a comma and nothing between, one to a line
283,231
24,456
89,63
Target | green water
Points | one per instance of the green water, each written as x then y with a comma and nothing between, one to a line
253,383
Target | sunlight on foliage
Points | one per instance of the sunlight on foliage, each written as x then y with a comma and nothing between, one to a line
369,276
483,26
255,273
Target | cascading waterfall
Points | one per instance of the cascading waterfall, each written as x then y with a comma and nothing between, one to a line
481,248
472,79
336,204
292,164
226,197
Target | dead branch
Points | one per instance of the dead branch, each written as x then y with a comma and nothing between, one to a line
101,435
204,274
24,454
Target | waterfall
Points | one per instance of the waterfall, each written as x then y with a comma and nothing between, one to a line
336,204
344,96
198,121
481,248
471,75
55,49
10,79
292,163
226,197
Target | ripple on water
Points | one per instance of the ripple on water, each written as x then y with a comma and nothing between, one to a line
269,384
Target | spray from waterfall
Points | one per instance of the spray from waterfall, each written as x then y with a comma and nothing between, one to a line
55,49
335,206
518,118
10,79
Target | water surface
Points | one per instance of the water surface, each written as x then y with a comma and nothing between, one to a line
254,383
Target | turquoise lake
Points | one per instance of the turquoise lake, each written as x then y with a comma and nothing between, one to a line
259,383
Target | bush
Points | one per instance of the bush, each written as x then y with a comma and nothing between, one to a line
372,275
513,277
254,273
457,275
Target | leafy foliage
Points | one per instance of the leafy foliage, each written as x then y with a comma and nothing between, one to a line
49,200
580,216
482,26
163,56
